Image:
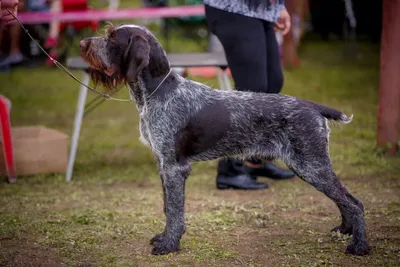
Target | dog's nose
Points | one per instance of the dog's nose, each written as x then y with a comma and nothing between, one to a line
84,44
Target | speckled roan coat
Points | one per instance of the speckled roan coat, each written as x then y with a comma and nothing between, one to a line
183,121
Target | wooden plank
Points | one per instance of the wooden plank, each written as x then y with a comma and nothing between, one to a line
389,83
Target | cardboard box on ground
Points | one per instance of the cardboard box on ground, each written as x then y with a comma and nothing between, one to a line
37,149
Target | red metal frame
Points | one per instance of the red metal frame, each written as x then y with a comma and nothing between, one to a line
5,127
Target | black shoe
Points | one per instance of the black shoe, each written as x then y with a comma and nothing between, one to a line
269,170
241,181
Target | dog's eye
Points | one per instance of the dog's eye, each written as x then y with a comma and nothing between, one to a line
111,35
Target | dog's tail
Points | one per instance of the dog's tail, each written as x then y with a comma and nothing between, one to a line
332,114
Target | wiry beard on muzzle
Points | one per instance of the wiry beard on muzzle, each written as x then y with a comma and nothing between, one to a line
96,67
110,83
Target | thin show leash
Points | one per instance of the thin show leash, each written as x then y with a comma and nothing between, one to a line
94,103
60,66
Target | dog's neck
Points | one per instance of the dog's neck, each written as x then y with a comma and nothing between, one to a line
152,78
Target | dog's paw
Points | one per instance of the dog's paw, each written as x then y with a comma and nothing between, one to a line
163,245
359,249
346,230
157,238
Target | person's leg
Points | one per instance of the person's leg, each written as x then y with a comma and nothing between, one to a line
227,27
15,56
245,48
2,29
274,69
245,43
275,83
54,32
15,32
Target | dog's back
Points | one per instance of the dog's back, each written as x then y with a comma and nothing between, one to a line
240,122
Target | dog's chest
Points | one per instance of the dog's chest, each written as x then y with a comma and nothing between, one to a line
145,135
147,131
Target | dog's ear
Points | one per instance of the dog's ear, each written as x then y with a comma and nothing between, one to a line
137,56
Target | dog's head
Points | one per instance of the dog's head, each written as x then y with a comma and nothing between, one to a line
118,56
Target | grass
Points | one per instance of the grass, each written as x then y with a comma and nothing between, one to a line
113,206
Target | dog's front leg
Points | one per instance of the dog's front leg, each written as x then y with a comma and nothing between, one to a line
173,176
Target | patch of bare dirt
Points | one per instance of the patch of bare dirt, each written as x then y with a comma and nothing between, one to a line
24,253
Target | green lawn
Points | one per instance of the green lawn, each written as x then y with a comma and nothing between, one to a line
113,206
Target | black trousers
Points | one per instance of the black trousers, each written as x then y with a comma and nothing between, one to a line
251,50
253,57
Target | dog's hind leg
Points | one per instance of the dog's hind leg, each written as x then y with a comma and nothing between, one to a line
346,227
314,167
173,175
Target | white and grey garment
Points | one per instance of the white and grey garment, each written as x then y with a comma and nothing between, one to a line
264,9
